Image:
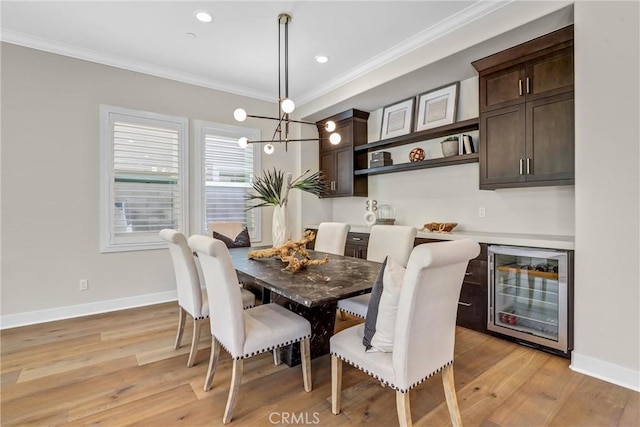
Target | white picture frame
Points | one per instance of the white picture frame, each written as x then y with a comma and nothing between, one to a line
397,119
437,107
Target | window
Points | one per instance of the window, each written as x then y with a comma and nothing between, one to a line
143,175
223,176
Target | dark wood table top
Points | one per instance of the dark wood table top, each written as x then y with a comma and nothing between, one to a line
342,277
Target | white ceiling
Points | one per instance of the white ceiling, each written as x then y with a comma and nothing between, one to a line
237,52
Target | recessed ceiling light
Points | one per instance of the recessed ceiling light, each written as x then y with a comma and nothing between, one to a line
322,59
204,16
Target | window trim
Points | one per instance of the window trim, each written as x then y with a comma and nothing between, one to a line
107,176
201,128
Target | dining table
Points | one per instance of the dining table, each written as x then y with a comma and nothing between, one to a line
312,292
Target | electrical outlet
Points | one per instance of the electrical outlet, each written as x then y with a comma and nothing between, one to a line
84,284
481,212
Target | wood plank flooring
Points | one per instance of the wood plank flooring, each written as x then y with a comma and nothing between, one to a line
120,369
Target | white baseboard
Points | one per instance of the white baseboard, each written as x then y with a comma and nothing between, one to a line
49,315
606,371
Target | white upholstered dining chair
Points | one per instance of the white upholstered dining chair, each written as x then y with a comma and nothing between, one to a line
424,335
243,333
190,299
331,237
395,241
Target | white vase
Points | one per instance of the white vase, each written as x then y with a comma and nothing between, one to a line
280,226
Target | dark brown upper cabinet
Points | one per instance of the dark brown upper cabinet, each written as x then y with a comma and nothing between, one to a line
527,113
338,162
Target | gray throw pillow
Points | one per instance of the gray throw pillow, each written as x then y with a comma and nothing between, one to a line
372,311
241,240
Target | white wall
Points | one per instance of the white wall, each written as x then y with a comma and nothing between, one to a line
50,182
607,63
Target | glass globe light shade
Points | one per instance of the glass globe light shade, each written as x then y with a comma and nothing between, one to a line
287,106
268,149
330,126
243,142
240,115
335,138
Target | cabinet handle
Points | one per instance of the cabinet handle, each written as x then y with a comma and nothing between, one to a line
521,167
464,304
356,238
528,166
528,86
520,87
468,274
333,185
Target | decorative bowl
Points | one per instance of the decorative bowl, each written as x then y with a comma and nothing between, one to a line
442,227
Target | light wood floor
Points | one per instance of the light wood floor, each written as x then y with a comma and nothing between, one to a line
120,369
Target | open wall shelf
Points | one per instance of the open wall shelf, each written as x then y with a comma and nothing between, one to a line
439,132
431,163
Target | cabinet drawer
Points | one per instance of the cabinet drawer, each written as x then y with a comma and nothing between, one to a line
476,273
358,238
472,308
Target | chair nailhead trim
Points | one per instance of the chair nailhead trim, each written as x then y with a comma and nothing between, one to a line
201,318
255,353
388,383
352,313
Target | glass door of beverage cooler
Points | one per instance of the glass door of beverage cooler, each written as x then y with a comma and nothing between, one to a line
528,295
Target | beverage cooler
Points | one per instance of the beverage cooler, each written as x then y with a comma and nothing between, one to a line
531,296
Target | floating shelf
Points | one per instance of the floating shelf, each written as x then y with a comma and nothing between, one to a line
423,164
446,130
439,132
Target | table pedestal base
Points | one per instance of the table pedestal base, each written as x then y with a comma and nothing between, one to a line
323,321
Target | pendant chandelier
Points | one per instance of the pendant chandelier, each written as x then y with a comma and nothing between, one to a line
285,105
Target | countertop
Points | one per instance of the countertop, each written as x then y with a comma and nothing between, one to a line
515,239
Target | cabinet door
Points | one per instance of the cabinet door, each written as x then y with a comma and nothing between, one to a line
550,139
502,88
344,171
502,148
550,75
328,167
472,308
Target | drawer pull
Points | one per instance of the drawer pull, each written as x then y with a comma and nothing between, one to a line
356,238
468,274
464,304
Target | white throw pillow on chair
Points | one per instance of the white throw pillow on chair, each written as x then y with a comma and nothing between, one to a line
387,308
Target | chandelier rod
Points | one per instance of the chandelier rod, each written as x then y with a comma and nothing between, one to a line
281,119
290,140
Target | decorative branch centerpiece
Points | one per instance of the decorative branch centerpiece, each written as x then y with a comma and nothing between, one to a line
273,188
294,254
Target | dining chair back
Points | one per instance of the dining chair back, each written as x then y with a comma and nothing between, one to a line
243,333
391,240
188,288
189,283
331,237
395,241
424,328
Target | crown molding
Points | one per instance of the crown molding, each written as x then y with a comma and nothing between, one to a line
452,23
38,43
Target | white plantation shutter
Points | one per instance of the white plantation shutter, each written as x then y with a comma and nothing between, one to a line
144,164
225,176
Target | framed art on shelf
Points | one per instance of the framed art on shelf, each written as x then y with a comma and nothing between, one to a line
437,107
397,119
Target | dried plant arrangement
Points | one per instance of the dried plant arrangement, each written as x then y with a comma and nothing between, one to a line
294,254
